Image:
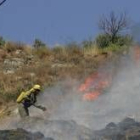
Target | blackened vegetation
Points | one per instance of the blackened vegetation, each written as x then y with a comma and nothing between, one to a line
128,129
21,134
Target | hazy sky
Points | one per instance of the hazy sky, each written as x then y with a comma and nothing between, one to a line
58,21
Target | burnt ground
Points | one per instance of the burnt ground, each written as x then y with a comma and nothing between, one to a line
127,129
21,134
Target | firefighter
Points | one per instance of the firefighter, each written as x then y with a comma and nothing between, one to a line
27,99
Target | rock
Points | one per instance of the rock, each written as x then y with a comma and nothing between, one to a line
18,52
111,125
128,123
135,137
29,59
9,71
128,129
32,74
58,129
21,134
15,62
58,65
12,64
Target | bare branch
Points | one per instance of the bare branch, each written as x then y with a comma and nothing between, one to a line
2,2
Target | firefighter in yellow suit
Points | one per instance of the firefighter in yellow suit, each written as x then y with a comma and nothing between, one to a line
27,99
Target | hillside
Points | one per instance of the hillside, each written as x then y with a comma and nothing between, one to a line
22,66
76,82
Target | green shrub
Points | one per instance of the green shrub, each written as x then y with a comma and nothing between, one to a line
38,44
103,40
115,48
2,42
124,40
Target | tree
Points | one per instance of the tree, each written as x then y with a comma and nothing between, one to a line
114,24
2,2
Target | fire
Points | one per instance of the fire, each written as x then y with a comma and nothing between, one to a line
103,84
91,95
94,85
88,82
98,82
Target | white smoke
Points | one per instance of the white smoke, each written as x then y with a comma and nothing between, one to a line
120,101
64,102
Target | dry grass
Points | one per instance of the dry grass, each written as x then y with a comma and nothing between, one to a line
41,53
48,66
13,46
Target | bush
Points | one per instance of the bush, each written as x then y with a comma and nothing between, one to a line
2,42
38,44
124,40
103,40
115,48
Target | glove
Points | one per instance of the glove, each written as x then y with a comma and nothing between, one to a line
43,108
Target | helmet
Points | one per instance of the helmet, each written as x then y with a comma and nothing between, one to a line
37,87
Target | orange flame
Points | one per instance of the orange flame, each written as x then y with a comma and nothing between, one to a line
103,84
88,82
97,81
91,96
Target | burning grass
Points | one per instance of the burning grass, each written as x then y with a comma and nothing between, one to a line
95,85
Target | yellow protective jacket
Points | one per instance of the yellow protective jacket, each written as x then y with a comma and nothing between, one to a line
24,95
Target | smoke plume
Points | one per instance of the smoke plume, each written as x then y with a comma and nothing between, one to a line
64,102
